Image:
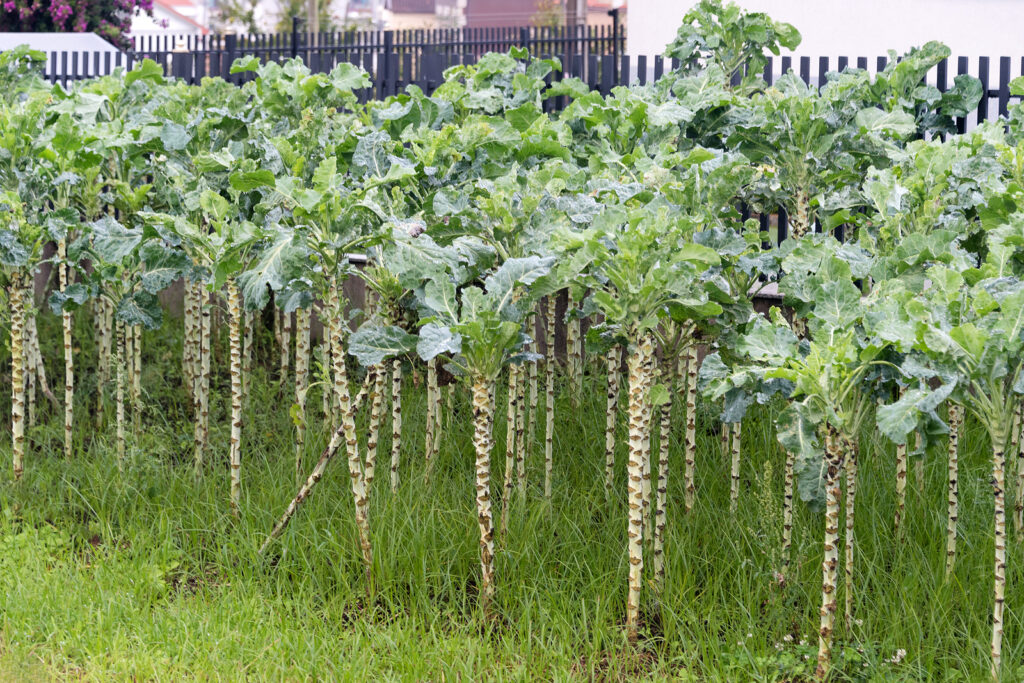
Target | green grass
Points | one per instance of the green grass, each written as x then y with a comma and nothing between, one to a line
142,574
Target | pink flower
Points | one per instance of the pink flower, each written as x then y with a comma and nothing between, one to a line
60,11
9,6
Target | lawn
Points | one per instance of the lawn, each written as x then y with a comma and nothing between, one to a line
143,574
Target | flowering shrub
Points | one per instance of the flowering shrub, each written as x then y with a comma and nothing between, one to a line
110,19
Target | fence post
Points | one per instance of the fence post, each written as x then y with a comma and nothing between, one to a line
296,22
524,37
384,70
230,46
181,63
614,14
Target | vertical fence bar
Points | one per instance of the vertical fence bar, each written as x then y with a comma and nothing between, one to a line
941,81
180,66
387,81
983,77
367,93
615,34
1004,86
392,81
607,73
736,78
406,70
230,48
961,68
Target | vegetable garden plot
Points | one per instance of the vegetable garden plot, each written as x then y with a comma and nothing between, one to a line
474,209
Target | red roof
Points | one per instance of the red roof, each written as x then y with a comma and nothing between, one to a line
175,7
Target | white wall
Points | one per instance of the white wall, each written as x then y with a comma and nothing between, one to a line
143,24
858,28
56,42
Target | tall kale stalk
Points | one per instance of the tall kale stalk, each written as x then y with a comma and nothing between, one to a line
614,361
16,297
396,420
235,340
549,393
955,419
302,341
69,363
639,382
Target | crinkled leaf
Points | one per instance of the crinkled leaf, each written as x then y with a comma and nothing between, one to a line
163,266
140,308
146,70
437,339
768,343
513,272
371,344
251,180
73,297
797,431
214,205
112,242
276,265
13,253
371,154
737,401
348,77
174,136
874,120
898,419
439,296
244,64
837,304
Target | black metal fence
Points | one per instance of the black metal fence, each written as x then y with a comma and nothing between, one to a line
392,58
349,45
395,59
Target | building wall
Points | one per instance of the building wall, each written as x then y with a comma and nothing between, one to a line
450,13
493,13
865,28
399,21
489,13
144,25
410,6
